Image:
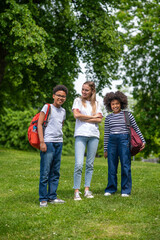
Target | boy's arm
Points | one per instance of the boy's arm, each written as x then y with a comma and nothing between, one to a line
43,146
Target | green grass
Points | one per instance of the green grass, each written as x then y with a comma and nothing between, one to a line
112,218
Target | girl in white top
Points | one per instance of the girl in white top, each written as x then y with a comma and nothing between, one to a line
88,114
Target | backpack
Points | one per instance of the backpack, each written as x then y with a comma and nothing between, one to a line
33,131
135,141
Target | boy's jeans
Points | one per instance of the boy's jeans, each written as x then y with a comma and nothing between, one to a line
80,144
50,171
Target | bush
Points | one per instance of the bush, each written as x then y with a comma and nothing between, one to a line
68,137
14,127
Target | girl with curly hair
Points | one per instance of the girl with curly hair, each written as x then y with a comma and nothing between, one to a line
88,114
116,143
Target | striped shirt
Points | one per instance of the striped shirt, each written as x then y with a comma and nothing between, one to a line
115,124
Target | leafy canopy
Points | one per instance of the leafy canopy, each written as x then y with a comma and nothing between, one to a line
41,43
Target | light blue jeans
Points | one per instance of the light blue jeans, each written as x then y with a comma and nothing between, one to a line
80,145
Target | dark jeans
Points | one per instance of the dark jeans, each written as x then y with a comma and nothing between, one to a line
50,171
118,146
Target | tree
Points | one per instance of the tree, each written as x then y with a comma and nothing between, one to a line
41,43
141,64
32,60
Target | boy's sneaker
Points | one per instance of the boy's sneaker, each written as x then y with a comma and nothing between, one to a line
107,194
88,194
77,196
43,204
124,195
56,201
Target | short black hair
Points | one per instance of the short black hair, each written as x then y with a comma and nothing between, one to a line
60,88
121,97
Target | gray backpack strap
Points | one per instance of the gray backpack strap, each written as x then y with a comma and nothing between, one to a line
49,114
47,120
126,117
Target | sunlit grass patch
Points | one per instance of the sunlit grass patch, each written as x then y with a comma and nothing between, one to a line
108,218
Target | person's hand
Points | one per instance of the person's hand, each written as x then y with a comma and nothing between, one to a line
143,146
43,147
105,154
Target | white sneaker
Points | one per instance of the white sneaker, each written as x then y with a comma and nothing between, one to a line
77,196
124,195
107,194
57,200
43,204
88,194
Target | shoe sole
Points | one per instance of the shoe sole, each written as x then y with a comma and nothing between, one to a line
107,195
52,202
88,196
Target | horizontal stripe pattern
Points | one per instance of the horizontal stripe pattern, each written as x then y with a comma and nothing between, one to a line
115,124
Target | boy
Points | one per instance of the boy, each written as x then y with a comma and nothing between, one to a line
51,147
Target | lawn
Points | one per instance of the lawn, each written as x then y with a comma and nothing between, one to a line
110,218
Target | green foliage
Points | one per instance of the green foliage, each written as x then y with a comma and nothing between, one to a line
14,127
147,117
68,136
23,44
41,43
106,218
100,151
141,64
98,41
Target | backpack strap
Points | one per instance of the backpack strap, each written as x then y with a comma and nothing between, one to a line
46,119
126,117
47,116
48,113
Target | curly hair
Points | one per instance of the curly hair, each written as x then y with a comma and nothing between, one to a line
60,88
109,97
